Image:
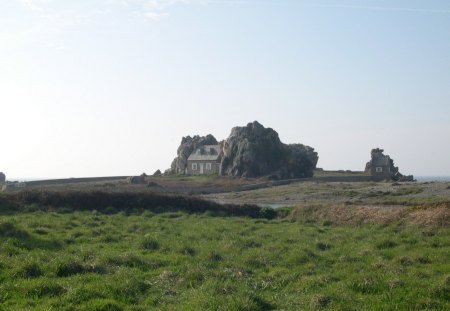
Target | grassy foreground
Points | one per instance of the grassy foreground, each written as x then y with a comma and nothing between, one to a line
176,261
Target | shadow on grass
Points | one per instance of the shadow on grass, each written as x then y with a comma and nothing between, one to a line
22,239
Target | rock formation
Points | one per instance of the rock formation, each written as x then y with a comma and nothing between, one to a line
187,146
254,150
2,177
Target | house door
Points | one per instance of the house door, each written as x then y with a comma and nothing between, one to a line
201,168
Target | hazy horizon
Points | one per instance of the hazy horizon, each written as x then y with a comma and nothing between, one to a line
109,87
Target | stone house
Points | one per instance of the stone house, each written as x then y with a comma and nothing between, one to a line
380,166
204,160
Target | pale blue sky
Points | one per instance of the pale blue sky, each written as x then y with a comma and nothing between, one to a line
109,87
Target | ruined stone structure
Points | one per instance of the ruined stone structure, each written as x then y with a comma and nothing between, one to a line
2,178
382,167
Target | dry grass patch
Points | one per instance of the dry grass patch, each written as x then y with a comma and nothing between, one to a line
348,214
433,217
359,215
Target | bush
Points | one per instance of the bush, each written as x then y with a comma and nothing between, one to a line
114,202
267,212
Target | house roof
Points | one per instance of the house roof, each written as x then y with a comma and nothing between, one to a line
381,161
205,153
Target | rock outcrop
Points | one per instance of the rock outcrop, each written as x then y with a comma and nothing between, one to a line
187,146
254,151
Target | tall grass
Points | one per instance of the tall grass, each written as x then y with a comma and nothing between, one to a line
87,260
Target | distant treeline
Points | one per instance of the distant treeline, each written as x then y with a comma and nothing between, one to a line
113,202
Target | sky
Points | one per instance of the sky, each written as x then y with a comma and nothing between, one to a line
109,87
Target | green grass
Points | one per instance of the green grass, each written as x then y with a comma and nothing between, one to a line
176,261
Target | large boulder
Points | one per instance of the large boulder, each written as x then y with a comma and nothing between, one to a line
253,151
301,161
187,146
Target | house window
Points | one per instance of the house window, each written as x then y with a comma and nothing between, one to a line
208,166
379,169
194,166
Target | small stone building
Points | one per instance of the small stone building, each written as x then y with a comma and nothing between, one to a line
204,160
381,166
2,178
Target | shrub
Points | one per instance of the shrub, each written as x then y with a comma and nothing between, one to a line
114,202
267,212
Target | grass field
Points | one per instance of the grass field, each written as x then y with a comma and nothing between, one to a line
86,260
